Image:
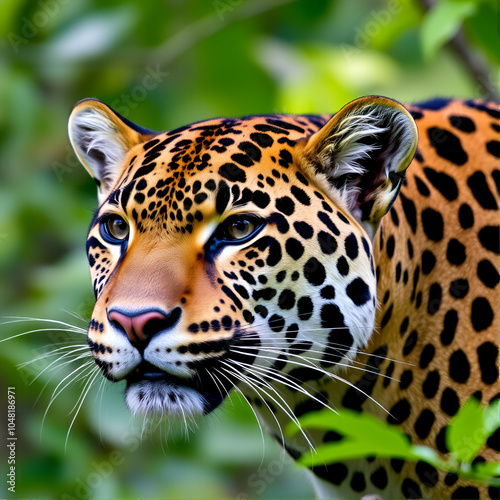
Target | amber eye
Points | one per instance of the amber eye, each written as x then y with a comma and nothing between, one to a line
241,227
114,229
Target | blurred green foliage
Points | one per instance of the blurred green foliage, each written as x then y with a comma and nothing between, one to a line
366,435
164,64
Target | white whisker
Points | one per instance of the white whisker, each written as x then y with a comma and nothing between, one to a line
240,393
230,370
327,374
88,385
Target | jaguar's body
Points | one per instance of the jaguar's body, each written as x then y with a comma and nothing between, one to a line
254,252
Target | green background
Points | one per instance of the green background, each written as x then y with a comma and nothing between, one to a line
162,65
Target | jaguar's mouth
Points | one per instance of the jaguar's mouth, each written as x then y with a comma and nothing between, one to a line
153,392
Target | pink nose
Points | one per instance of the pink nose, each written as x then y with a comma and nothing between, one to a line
137,327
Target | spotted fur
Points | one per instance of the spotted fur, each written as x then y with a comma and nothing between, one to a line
324,301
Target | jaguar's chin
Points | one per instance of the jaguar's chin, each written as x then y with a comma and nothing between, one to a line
154,393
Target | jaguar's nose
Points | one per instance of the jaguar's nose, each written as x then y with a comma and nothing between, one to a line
141,327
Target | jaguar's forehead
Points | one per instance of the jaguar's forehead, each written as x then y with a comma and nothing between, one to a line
237,161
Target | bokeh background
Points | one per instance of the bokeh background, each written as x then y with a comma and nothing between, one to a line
163,64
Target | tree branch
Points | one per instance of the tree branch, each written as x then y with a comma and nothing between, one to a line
472,60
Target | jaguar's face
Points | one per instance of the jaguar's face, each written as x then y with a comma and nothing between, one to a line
220,254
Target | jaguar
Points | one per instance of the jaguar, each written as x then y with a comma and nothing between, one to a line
348,261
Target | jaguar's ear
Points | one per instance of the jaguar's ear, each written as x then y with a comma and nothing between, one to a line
361,156
101,139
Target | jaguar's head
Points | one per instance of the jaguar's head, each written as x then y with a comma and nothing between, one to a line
235,252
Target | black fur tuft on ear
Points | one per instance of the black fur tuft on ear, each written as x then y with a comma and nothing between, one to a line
361,156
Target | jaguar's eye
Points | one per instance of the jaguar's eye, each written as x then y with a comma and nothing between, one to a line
114,229
241,227
235,230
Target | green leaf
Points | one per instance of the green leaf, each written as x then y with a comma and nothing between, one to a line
442,23
492,417
487,469
466,434
363,435
481,29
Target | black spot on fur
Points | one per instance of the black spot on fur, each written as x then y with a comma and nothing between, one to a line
450,403
459,288
410,211
465,492
358,482
435,295
336,473
445,184
379,478
450,479
314,271
441,440
481,314
447,145
387,316
358,292
432,222
260,199
481,191
427,356
422,187
232,173
489,236
263,140
428,261
399,412
343,266
459,367
424,423
427,474
389,247
487,355
351,246
355,396
449,327
294,248
410,343
327,242
325,219
276,323
463,123
303,229
455,253
275,254
300,195
305,308
487,273
406,379
465,216
493,147
430,385
410,489
280,221
250,150
285,205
